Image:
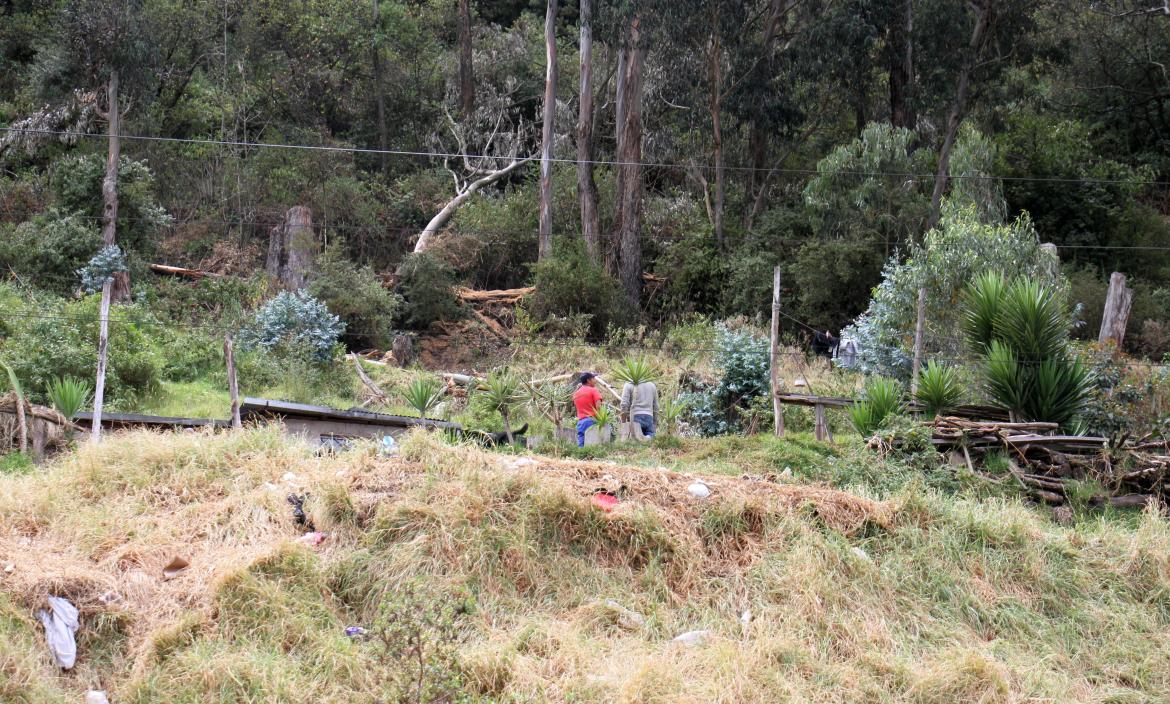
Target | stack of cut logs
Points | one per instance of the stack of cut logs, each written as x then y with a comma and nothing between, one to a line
1043,463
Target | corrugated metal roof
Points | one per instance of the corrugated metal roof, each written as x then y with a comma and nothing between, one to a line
262,406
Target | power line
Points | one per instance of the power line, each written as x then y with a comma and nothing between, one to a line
564,160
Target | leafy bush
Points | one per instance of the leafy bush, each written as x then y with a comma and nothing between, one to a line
939,389
293,322
428,287
357,296
101,268
744,360
77,181
950,257
569,285
881,399
1021,330
49,249
833,279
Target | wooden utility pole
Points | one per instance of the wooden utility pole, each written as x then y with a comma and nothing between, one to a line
777,407
544,249
229,358
99,387
1117,305
918,329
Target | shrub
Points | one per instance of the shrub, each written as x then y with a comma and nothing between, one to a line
293,323
881,399
744,360
101,268
428,287
1021,330
569,285
49,249
357,296
939,389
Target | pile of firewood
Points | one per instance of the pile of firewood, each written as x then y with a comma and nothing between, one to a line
1044,463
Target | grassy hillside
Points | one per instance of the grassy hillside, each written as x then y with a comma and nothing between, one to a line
516,589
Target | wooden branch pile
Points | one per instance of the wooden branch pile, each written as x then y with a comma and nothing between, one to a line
1044,464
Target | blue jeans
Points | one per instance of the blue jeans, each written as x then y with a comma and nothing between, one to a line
647,423
583,425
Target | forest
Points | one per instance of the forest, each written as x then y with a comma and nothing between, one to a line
701,142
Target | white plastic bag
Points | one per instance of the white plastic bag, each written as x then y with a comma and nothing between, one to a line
60,626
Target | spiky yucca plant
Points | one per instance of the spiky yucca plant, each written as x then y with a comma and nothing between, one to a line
881,398
69,395
604,416
423,395
636,370
669,411
939,389
1021,330
553,401
500,391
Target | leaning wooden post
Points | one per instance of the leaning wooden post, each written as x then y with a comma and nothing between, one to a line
777,407
99,387
918,327
1116,315
233,388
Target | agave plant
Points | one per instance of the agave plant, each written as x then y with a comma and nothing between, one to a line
423,395
500,391
21,421
1021,329
69,395
635,370
939,389
881,398
670,409
553,401
604,416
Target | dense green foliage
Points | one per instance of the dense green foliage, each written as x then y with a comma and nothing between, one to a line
428,285
940,389
357,297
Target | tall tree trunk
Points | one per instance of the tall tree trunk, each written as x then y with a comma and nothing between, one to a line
715,78
466,70
121,288
546,139
985,10
901,39
757,136
379,91
629,168
620,174
586,187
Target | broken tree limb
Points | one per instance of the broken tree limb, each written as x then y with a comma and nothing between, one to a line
461,379
461,196
369,383
503,296
492,325
608,388
183,272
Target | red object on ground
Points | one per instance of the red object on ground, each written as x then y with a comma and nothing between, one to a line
604,501
586,399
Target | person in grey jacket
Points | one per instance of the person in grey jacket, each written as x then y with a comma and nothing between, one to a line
641,402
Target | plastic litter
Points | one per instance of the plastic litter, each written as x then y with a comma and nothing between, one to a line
388,446
9,568
111,597
96,696
61,625
174,567
699,490
862,555
604,500
626,618
312,539
692,638
288,477
355,632
297,501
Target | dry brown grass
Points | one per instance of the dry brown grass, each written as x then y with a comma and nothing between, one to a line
923,599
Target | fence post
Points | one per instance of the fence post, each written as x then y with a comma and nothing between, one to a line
777,407
918,328
99,387
233,388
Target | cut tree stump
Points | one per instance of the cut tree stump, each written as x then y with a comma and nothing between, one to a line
292,248
1117,305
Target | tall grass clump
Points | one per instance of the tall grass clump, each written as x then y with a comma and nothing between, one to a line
881,398
1021,331
939,389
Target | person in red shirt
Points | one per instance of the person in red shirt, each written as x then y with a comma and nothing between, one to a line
586,398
